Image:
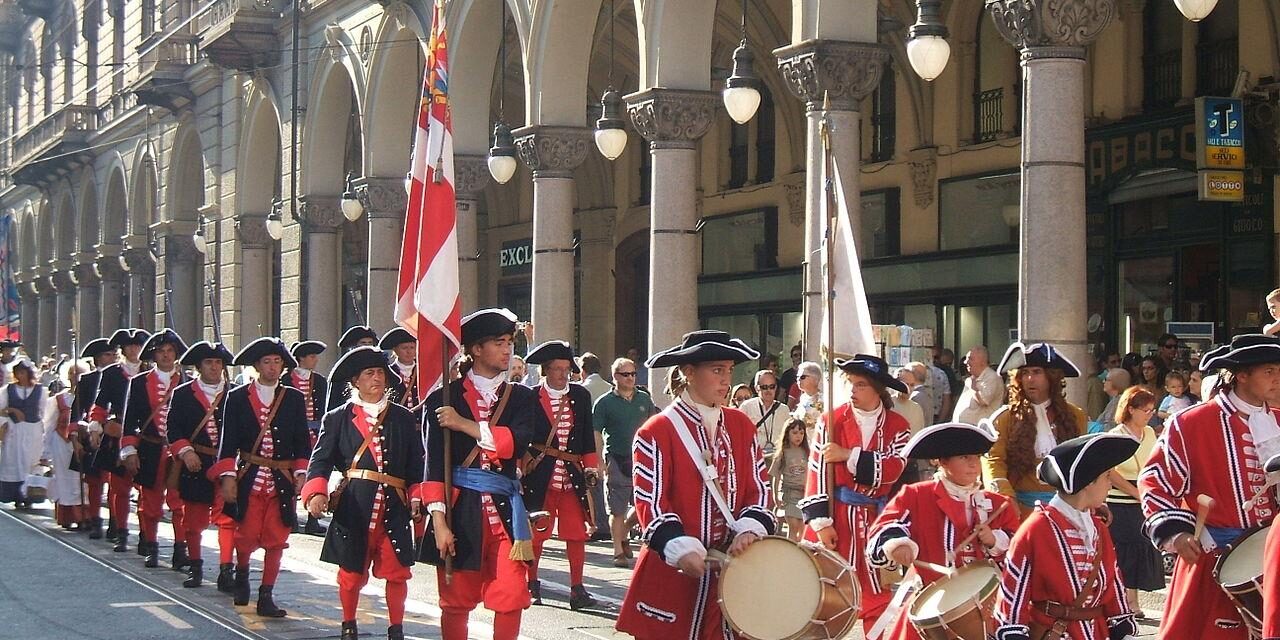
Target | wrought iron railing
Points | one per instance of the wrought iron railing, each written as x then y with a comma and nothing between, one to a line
988,114
1162,79
1217,64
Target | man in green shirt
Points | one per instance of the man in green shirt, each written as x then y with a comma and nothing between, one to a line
617,415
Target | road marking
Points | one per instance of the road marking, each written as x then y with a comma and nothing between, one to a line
154,608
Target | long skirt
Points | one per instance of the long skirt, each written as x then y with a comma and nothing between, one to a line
19,452
1139,560
64,487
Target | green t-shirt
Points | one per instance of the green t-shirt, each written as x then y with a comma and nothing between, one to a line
618,420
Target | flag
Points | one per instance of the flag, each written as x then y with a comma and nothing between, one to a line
848,306
428,300
10,305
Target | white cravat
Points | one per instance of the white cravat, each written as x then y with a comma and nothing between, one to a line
131,368
710,415
305,374
166,377
1262,426
1044,430
555,394
210,390
1081,520
867,422
265,394
486,387
371,409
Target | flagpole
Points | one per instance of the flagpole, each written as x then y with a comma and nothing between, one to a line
447,441
828,187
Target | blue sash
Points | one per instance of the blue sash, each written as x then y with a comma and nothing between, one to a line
498,484
854,498
1223,536
1030,498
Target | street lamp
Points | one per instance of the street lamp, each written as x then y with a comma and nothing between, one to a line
502,156
275,227
927,47
611,137
741,95
197,238
1195,10
351,207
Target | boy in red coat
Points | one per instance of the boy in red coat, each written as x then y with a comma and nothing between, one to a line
1042,595
694,443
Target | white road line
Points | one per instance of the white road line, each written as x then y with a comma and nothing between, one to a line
154,608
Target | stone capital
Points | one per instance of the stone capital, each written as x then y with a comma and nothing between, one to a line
107,262
672,118
320,213
62,279
85,271
1067,27
842,71
251,230
382,197
180,248
139,260
552,152
470,176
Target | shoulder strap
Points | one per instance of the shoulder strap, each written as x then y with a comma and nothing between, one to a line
707,472
271,416
163,401
502,404
213,408
373,431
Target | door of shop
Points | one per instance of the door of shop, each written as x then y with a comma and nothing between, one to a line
1183,284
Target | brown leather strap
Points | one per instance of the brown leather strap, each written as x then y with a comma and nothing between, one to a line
213,407
377,476
152,439
253,458
163,401
203,450
248,457
1060,611
1060,622
373,431
559,454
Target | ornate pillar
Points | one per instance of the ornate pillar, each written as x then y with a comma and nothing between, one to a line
112,294
65,284
840,74
88,323
552,153
46,337
596,231
672,120
384,201
255,279
1051,264
30,319
182,266
321,217
141,286
470,176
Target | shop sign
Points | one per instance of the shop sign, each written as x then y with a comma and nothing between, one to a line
1220,139
1117,151
1222,186
516,257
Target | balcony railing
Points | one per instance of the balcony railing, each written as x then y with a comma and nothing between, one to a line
240,34
53,143
988,114
1217,64
162,64
1162,79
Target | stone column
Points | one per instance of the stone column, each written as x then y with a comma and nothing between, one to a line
598,285
255,280
470,176
141,287
552,153
88,323
182,267
112,293
46,338
842,74
29,321
1051,264
1131,17
321,217
384,201
672,120
65,283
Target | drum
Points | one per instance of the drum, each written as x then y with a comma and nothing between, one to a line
1239,572
782,590
958,606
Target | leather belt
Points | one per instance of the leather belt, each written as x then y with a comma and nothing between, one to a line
279,465
559,454
152,439
203,450
381,478
1060,611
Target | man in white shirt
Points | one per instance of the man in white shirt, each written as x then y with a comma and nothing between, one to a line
923,393
767,412
904,405
590,364
983,389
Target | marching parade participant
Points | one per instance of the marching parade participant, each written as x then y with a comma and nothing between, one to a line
103,354
356,336
1271,559
144,449
403,384
1209,458
929,520
560,466
1046,594
491,425
861,450
378,446
262,461
315,389
1036,418
195,430
105,430
700,485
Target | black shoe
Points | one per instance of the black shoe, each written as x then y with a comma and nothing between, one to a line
195,575
152,558
143,547
122,541
180,559
241,587
579,598
535,592
226,580
349,630
395,632
313,527
266,606
95,529
601,535
111,531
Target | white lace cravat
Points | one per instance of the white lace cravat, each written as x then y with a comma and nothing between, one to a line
1044,430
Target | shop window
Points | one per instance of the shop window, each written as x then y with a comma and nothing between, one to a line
765,149
770,333
1162,55
881,225
740,242
978,212
1217,54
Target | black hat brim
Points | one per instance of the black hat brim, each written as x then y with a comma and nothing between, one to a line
737,352
355,334
308,348
94,348
161,338
395,338
949,439
553,350
1244,351
349,366
1076,463
125,337
486,324
204,350
1040,354
873,368
261,348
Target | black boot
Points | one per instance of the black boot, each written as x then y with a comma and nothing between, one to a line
535,592
241,587
226,580
266,606
95,529
313,527
395,632
195,575
180,559
349,631
579,598
111,530
122,541
143,547
152,558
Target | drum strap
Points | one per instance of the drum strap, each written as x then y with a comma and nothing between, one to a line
708,472
909,585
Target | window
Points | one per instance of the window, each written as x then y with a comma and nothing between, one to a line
764,138
881,225
978,212
995,93
883,122
1217,54
742,151
740,242
739,154
1162,55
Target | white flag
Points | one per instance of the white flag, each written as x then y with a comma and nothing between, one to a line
852,334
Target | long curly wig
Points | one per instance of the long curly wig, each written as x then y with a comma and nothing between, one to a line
1021,451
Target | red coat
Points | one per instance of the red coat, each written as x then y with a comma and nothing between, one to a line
1208,450
1036,571
672,501
879,466
926,514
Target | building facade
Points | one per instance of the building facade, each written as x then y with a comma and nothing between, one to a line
148,142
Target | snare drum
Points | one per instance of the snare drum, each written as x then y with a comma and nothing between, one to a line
1239,572
958,606
781,590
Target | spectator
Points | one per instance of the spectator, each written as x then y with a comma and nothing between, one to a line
787,475
1151,376
940,385
1132,363
945,359
808,406
740,394
983,390
1118,380
903,404
1175,385
924,394
591,379
1168,352
1194,380
642,374
1273,307
769,362
767,412
617,415
1140,562
1096,398
788,381
518,369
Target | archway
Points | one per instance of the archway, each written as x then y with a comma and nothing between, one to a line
115,216
88,323
255,290
183,266
138,251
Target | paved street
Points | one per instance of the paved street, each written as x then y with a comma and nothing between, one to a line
119,594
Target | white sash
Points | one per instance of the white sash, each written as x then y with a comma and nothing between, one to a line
708,472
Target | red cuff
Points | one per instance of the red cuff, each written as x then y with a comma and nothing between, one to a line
314,486
97,414
300,464
414,492
177,447
591,461
222,466
431,491
504,446
128,441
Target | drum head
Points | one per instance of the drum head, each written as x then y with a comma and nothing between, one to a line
771,590
939,599
1243,562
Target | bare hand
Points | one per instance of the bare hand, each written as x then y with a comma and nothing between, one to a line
415,510
832,452
985,536
444,537
903,556
16,414
191,460
449,419
1187,548
229,489
131,464
827,536
741,542
317,505
692,565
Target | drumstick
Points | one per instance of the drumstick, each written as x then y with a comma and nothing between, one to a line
1248,504
1205,504
936,568
974,534
717,557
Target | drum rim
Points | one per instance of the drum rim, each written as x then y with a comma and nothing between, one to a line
803,630
951,616
1226,552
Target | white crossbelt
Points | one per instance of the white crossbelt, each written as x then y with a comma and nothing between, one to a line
707,471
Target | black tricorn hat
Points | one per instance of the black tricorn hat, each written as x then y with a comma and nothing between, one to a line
349,366
395,338
93,348
126,337
355,334
307,348
9,344
261,348
160,338
706,345
487,323
873,367
1040,354
204,350
950,439
1076,463
1244,351
553,350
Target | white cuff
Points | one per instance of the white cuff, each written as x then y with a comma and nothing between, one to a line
682,546
302,473
749,525
228,474
1002,542
486,437
184,450
93,427
818,524
435,507
130,450
852,463
897,543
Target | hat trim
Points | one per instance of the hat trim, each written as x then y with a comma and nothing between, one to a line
747,352
1232,354
924,433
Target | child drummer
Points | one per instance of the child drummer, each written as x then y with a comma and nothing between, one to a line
1082,599
949,521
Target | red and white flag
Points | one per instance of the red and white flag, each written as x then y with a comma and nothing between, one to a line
428,301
